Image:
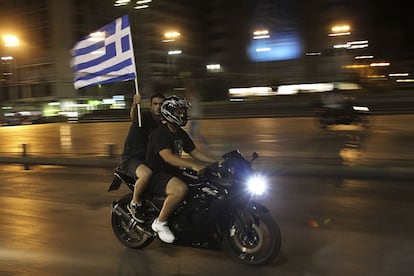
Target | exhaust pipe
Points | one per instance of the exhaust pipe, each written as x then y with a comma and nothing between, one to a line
131,222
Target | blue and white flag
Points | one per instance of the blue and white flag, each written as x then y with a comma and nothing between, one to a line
104,56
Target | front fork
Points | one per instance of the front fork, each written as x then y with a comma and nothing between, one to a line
241,219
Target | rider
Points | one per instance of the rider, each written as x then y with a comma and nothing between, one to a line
133,155
333,102
164,156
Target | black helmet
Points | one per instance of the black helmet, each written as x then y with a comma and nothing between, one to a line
170,105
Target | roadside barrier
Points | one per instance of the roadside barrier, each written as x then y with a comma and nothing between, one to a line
110,160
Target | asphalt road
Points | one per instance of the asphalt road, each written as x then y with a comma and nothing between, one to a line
55,221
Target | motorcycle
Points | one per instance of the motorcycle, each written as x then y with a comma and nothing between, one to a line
350,114
220,212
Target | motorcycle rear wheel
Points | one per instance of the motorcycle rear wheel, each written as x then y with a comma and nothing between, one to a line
364,122
132,238
259,242
322,122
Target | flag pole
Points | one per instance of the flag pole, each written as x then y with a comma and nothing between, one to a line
138,105
136,79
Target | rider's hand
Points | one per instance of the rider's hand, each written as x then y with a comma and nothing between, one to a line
137,99
199,168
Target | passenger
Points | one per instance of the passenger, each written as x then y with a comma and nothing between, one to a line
133,155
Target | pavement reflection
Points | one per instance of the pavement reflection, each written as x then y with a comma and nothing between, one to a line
385,142
55,221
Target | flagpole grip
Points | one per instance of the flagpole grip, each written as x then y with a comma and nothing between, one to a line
139,115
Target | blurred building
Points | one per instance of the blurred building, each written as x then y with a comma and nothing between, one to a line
215,43
40,69
169,42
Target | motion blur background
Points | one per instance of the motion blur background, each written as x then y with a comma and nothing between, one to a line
341,194
225,49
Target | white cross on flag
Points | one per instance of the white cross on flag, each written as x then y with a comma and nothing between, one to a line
104,56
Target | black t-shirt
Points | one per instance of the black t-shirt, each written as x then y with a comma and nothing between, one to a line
162,138
137,139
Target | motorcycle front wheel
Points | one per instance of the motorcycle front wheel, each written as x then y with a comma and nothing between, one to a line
128,236
252,238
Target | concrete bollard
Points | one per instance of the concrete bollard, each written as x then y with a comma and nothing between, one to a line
111,150
24,155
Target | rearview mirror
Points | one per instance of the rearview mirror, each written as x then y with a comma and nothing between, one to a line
254,156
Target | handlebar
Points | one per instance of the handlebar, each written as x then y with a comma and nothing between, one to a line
196,175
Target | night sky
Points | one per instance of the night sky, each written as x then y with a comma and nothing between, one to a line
387,25
394,23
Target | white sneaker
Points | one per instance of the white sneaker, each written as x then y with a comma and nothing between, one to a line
163,231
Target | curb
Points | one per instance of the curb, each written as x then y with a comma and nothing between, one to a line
297,169
55,161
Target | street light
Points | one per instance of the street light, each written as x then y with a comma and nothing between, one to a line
11,40
141,4
340,30
170,37
174,52
261,34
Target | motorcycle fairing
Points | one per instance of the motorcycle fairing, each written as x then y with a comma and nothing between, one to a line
119,177
116,183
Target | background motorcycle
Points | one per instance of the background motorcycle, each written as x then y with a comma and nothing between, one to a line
350,114
220,211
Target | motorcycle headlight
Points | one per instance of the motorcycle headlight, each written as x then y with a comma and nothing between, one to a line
360,108
256,184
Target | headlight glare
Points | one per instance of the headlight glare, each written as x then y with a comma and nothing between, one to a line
256,184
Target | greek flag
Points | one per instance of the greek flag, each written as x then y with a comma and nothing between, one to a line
104,56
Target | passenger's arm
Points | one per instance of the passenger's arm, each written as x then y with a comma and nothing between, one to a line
133,113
